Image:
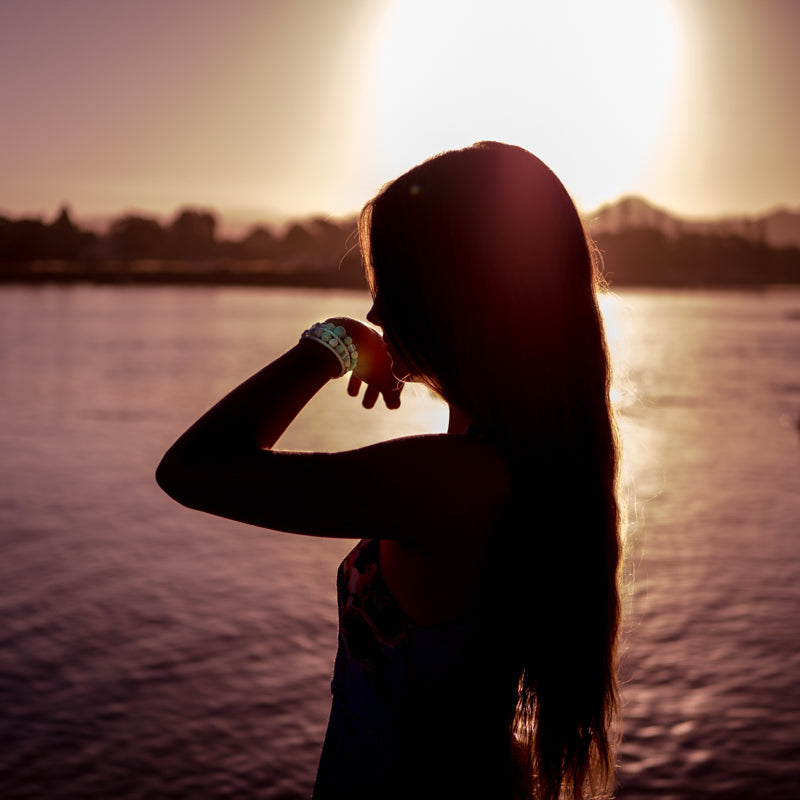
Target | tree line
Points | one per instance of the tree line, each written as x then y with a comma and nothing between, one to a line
324,252
316,251
649,257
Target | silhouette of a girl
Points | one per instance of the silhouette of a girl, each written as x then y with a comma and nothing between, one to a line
479,611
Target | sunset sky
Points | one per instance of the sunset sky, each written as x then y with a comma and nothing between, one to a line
263,109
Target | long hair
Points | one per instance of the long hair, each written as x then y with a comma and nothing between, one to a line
487,287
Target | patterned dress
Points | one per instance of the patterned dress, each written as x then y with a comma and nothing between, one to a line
410,716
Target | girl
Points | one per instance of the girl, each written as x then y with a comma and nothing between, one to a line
479,611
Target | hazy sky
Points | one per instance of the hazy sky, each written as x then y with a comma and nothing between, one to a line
287,107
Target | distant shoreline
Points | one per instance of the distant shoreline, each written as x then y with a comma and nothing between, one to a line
180,273
247,273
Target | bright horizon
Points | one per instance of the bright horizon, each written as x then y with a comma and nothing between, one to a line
271,109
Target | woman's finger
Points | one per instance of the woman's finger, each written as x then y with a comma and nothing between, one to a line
353,385
371,394
392,396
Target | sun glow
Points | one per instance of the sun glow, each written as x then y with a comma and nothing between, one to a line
584,85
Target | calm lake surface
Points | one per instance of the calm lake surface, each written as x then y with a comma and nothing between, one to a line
147,651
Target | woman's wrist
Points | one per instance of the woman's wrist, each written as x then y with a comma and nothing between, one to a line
335,338
320,358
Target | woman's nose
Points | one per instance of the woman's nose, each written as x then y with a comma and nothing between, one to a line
374,317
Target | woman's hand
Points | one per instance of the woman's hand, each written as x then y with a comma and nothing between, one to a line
374,367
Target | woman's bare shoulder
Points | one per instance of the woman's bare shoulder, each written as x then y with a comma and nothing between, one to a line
460,461
444,480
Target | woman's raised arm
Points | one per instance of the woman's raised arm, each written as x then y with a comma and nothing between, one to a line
224,463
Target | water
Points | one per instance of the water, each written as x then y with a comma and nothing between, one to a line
147,651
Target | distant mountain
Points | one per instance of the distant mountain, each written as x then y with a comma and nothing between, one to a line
782,228
779,228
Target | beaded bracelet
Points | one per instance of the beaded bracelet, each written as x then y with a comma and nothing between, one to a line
335,338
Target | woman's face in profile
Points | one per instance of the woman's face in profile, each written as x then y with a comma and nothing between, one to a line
399,369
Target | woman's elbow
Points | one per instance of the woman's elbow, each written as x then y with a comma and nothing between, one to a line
174,479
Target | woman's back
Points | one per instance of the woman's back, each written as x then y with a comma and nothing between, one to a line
435,572
417,709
